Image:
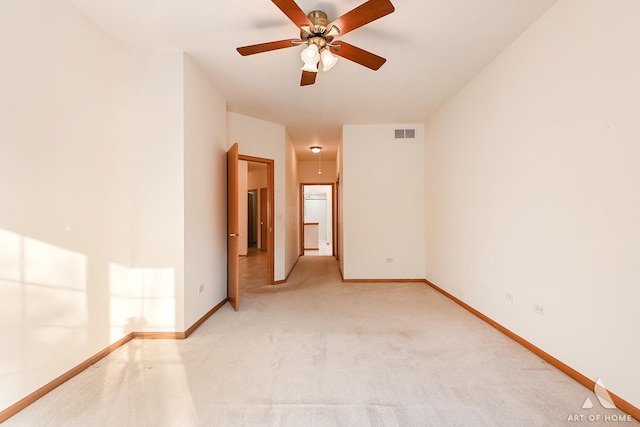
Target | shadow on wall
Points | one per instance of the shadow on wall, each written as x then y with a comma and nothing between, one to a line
43,309
44,317
142,300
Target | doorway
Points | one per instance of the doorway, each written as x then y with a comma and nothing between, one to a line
317,220
254,267
257,210
252,218
238,223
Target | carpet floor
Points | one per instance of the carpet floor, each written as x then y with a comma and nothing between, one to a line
317,352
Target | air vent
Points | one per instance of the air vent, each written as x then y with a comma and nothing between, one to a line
405,133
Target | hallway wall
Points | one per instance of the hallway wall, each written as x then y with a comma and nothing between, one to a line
292,248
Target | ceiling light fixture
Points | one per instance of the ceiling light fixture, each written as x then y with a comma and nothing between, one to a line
328,59
318,48
310,57
318,35
316,150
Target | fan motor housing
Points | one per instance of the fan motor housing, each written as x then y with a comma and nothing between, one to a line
317,34
319,20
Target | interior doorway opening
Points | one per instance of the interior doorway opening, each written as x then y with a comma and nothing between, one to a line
257,212
252,218
255,265
318,220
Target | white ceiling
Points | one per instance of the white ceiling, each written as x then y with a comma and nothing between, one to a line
432,47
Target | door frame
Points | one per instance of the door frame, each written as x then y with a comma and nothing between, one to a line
336,212
233,230
334,224
270,211
263,194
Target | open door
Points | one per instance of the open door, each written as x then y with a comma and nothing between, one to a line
233,293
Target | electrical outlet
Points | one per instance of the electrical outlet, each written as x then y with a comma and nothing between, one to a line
509,296
539,309
200,289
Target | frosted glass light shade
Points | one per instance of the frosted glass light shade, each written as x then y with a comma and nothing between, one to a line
311,52
311,67
328,59
310,56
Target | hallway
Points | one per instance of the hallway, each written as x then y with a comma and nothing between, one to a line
324,249
252,269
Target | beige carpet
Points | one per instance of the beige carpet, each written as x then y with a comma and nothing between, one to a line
316,352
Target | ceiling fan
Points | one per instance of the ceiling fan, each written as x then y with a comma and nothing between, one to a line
318,34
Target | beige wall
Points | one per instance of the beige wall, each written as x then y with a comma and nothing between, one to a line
104,157
532,188
179,171
293,207
66,172
308,172
158,232
382,203
259,138
205,225
257,179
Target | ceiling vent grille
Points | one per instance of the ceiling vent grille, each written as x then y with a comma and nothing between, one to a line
405,134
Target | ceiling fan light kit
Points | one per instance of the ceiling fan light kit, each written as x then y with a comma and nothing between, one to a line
310,58
318,42
318,33
328,60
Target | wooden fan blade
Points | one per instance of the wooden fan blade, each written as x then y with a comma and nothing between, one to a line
358,55
265,47
293,12
308,78
362,15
